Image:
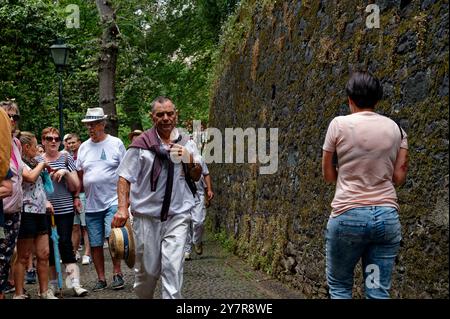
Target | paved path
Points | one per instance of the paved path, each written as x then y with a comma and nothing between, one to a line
217,274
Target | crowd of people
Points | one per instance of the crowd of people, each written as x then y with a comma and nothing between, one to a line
83,188
162,182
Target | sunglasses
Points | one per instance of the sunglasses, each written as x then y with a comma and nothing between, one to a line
14,117
51,139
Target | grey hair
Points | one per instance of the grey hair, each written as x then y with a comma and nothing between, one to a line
26,137
75,136
161,99
10,105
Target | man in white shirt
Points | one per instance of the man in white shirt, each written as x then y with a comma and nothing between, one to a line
161,191
97,161
198,213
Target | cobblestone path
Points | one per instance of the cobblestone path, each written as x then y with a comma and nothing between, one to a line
216,274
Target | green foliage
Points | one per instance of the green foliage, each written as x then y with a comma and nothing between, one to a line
168,48
234,32
26,72
165,48
225,240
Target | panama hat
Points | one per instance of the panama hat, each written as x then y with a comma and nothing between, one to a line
121,244
94,114
134,133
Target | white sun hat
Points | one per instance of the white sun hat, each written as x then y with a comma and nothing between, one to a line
94,114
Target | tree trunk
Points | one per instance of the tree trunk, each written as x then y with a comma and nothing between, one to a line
107,64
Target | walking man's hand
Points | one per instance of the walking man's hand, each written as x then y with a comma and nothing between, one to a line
210,194
120,217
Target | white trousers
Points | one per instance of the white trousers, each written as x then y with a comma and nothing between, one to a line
196,227
159,252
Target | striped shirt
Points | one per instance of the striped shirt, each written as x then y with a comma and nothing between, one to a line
61,198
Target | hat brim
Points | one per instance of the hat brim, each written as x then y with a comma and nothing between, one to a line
131,249
130,135
116,245
94,119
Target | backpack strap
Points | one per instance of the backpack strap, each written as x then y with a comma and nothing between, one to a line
401,131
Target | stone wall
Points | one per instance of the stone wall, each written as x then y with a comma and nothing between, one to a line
284,64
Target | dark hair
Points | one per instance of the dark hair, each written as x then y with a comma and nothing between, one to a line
364,89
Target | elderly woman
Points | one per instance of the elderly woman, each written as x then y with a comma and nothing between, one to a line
65,181
12,205
372,159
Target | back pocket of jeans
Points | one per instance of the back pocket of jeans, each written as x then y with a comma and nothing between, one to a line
392,230
352,229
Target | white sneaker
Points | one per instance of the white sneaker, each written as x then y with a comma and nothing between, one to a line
22,296
48,295
86,260
80,292
187,256
77,256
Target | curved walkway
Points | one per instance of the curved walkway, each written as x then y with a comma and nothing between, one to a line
217,274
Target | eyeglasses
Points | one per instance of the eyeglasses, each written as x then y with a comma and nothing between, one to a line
53,138
14,117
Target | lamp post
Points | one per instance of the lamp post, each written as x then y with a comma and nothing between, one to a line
60,54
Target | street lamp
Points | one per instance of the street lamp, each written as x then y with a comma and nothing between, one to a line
60,54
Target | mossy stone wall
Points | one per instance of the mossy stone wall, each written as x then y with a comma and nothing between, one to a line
284,65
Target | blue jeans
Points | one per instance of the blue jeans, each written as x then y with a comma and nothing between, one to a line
99,225
372,233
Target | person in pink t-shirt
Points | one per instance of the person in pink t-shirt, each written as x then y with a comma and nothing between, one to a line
12,205
371,152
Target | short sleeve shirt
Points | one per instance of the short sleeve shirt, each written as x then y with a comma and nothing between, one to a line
201,184
34,197
61,198
136,168
13,203
99,162
367,145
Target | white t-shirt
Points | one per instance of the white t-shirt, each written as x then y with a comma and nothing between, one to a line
136,168
99,162
201,184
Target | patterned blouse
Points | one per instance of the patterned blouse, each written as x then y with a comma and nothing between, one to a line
34,197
